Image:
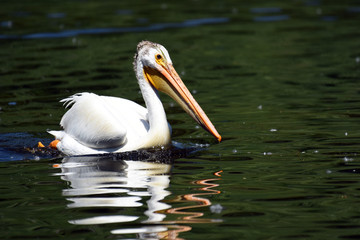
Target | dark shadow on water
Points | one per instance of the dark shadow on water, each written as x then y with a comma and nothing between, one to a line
24,146
21,145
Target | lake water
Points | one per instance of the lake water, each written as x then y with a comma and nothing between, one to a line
280,81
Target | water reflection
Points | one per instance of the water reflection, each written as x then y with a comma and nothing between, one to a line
194,217
137,190
96,31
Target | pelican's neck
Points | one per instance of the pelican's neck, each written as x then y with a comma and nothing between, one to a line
159,128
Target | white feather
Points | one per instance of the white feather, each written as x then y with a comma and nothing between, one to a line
100,122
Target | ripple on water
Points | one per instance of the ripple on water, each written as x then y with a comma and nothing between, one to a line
265,10
96,31
275,18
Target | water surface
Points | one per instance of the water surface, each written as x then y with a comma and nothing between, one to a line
279,80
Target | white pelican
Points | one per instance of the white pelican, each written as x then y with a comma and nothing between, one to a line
99,124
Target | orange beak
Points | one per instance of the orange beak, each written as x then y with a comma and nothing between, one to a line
167,80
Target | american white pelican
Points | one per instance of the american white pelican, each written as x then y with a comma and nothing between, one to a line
100,124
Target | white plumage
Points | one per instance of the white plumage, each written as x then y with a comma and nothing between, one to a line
100,124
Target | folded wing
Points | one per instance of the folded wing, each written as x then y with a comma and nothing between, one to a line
103,122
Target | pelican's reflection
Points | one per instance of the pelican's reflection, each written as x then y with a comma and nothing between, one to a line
129,191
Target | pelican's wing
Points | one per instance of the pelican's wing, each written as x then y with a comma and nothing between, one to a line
102,122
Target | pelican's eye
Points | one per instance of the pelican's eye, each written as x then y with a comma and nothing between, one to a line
159,59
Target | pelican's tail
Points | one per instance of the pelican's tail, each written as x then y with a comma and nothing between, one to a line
57,134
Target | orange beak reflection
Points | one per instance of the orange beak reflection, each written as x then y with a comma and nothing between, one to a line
168,81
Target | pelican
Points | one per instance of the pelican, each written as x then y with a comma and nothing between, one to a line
101,124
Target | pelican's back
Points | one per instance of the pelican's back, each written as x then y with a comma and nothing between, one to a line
103,122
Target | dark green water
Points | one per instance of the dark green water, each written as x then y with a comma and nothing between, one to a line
280,81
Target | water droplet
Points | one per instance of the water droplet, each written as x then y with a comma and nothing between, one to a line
346,133
346,159
234,151
217,208
260,107
328,171
273,130
194,91
357,59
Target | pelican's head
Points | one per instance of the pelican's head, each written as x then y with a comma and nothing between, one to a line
158,70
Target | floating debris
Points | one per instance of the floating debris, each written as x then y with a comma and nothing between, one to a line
42,152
